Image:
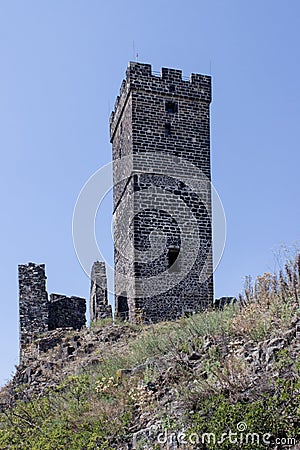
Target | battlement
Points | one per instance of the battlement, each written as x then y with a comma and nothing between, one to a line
169,83
138,71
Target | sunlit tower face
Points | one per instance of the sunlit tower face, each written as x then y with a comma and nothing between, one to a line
160,135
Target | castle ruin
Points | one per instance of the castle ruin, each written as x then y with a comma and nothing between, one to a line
40,313
160,135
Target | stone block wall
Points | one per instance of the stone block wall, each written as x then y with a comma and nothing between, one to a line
33,301
162,125
66,312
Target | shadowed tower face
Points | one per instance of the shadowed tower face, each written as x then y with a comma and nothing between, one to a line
160,135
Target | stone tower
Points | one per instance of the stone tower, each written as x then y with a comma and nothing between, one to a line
99,307
33,301
160,135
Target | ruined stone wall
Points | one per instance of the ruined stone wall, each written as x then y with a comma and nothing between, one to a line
99,307
33,301
66,312
165,206
38,314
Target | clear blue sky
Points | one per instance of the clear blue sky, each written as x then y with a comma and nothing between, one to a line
62,63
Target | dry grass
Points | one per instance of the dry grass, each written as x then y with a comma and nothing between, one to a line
168,369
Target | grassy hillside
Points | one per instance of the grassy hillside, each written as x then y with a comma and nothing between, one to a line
217,380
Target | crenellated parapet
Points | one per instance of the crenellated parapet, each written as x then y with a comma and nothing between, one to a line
169,83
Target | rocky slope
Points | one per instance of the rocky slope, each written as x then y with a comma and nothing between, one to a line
189,384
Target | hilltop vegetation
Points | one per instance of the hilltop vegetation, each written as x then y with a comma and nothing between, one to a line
134,386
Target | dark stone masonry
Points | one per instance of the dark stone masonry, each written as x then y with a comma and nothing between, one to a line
99,307
160,135
66,312
33,301
40,313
